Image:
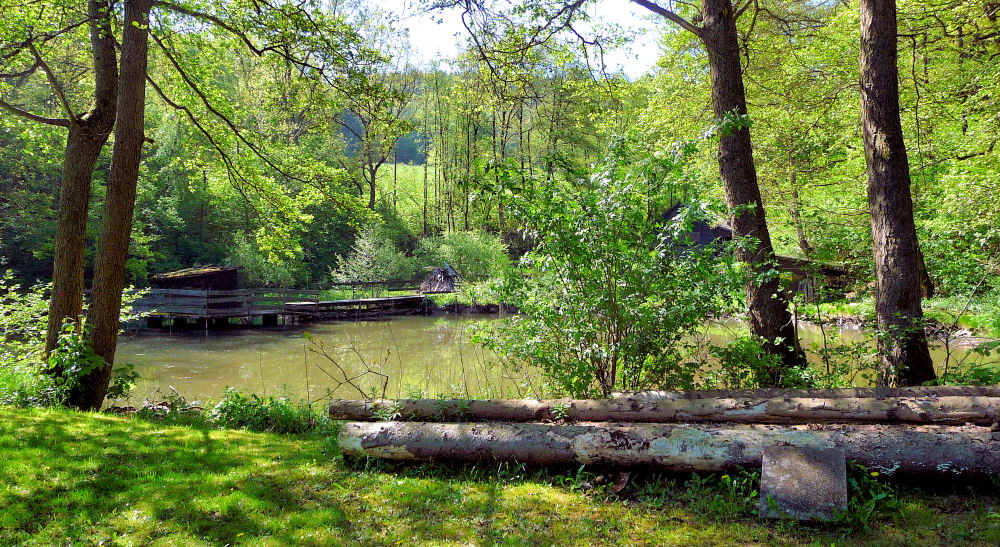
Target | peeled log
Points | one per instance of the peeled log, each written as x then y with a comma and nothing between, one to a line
929,409
902,449
831,393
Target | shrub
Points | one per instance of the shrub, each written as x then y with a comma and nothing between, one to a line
373,257
258,269
474,255
611,293
22,336
24,378
276,415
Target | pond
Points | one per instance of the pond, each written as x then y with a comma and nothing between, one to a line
420,356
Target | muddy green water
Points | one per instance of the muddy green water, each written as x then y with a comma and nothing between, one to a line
420,356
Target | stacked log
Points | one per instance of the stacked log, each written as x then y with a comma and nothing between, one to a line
937,430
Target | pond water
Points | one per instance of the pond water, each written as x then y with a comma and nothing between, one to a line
420,356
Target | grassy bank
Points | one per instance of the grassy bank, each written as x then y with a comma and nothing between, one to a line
981,316
82,479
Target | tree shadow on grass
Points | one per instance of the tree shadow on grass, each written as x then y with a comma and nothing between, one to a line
91,477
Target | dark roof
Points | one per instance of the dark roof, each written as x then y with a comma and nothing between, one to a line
194,272
701,232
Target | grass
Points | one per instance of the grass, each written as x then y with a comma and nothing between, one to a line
84,479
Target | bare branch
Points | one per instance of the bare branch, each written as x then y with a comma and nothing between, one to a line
671,16
34,117
53,82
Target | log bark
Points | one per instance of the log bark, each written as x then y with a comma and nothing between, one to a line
902,345
858,392
903,449
777,410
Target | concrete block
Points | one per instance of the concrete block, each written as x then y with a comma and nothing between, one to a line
803,483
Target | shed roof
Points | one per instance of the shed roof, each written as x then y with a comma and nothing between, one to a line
194,272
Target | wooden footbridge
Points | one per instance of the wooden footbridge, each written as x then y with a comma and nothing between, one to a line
263,307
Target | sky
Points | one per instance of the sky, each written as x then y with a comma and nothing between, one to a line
439,35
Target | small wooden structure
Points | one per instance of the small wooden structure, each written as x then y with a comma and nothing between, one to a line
204,308
799,275
701,232
440,280
206,278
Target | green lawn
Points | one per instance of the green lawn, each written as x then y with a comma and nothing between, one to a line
83,479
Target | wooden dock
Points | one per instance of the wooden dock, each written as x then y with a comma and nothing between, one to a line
243,307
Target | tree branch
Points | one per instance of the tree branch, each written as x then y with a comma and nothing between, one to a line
229,123
34,117
664,12
51,77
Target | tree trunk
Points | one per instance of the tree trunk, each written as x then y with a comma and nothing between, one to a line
904,449
926,283
779,410
905,358
116,225
795,211
86,138
768,315
371,188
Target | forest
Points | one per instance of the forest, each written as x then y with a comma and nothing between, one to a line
797,195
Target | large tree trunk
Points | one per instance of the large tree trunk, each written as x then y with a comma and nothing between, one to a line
116,225
777,410
86,138
769,318
905,358
887,449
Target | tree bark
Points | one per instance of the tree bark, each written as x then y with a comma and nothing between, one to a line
768,315
902,345
87,136
795,211
116,225
779,410
904,449
843,392
926,283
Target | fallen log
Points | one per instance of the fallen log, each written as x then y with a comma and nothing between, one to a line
904,449
821,393
946,409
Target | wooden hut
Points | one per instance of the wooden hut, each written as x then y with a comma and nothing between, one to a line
441,280
212,278
702,232
798,275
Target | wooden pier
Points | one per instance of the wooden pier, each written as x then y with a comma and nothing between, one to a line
242,307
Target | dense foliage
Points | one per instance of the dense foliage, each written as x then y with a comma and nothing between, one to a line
479,160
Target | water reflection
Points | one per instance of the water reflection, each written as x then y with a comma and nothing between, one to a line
421,356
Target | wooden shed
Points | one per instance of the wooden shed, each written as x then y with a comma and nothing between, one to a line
701,232
798,275
213,278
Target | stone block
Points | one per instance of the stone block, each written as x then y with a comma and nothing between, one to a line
803,483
